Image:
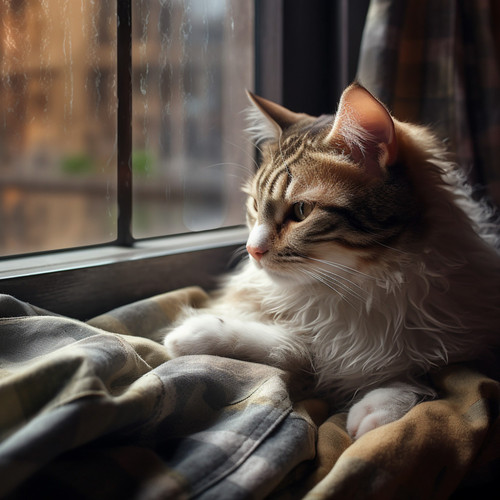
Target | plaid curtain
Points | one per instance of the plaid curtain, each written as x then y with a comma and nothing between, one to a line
437,62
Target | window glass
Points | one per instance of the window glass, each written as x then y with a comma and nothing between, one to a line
57,124
192,60
191,63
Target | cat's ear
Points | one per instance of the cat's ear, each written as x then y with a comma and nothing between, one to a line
363,123
267,120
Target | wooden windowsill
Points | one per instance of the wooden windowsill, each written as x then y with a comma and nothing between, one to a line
84,283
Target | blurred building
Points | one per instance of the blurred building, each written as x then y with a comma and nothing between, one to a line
191,63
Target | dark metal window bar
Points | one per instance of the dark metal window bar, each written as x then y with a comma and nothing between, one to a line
124,126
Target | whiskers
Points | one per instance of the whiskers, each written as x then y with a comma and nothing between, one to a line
238,255
247,151
348,290
384,245
341,267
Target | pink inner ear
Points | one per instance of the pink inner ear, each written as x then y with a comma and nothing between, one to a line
365,122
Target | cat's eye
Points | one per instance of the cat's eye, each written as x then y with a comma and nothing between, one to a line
301,210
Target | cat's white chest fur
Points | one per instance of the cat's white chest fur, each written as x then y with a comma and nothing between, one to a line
299,328
295,328
347,342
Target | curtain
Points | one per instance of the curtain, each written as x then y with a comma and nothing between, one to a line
436,62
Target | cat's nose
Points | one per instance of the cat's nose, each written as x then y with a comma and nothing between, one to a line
256,252
258,241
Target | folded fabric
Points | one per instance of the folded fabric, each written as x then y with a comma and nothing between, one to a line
97,410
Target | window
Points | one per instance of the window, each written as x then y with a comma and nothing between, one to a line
191,62
57,124
75,107
64,119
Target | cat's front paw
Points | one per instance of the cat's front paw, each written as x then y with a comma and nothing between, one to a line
201,334
379,407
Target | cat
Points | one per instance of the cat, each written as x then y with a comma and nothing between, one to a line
370,264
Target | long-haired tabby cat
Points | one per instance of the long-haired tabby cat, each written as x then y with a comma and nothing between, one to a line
370,263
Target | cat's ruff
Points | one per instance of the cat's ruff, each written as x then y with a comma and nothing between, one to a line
371,264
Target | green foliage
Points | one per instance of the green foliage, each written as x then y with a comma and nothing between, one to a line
82,163
77,164
142,162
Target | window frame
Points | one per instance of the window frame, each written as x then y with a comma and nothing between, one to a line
86,282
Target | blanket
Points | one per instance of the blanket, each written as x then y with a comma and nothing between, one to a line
92,410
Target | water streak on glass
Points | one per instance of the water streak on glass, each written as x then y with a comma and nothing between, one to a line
57,124
192,60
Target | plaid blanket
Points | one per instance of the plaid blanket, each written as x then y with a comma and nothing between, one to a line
97,410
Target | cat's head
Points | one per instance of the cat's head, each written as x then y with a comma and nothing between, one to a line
330,191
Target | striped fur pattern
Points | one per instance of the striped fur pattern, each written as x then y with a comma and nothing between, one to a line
370,264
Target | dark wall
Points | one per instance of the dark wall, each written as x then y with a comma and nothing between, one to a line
319,45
